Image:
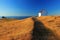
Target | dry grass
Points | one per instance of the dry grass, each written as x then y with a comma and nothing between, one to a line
16,28
52,23
11,29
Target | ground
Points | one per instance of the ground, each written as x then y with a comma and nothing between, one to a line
33,28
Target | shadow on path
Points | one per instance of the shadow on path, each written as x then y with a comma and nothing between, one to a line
40,32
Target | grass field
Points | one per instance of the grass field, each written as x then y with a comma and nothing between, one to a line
36,28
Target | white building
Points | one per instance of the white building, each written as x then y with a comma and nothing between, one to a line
39,14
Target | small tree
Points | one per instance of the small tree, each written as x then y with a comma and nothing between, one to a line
3,17
44,12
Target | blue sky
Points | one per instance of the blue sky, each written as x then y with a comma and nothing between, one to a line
28,7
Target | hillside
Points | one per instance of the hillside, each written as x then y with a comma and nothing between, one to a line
16,29
52,23
33,28
48,27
